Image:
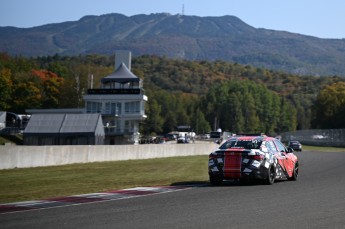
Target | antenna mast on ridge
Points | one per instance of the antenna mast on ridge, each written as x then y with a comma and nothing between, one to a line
182,9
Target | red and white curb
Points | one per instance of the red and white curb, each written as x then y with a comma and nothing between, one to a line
88,198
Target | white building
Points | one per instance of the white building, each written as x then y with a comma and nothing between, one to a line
121,102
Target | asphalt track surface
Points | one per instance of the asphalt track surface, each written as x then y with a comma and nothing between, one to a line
315,200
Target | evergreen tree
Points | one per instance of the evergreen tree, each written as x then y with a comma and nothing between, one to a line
199,123
154,122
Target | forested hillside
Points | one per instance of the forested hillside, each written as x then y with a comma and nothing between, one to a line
203,94
185,37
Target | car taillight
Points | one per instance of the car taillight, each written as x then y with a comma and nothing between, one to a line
214,155
256,157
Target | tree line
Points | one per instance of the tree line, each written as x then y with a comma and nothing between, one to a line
203,94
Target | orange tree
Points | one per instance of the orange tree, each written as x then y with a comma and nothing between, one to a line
38,89
50,87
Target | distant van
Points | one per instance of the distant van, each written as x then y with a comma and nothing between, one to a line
215,134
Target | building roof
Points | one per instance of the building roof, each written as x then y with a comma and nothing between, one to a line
80,123
63,123
121,75
45,123
56,111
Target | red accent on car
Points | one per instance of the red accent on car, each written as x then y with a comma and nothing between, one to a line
232,165
256,157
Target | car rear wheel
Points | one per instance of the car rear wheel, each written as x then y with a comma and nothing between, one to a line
270,176
295,172
216,180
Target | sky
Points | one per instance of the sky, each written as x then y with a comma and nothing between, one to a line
319,18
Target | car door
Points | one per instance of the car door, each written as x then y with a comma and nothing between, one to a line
284,158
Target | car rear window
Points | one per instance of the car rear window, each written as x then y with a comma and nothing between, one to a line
245,144
294,143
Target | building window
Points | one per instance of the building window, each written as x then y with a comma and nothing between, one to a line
112,108
132,107
131,126
93,107
116,108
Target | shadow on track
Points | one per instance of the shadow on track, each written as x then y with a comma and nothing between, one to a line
225,183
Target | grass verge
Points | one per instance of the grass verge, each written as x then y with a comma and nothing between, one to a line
44,182
323,148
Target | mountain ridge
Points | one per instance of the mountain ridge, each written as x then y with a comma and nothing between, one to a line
225,38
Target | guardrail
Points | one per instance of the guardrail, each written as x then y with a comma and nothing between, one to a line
317,137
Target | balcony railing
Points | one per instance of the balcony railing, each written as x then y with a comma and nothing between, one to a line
118,131
122,91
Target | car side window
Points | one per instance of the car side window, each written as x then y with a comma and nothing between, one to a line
271,147
280,146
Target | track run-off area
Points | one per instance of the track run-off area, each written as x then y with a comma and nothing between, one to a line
315,200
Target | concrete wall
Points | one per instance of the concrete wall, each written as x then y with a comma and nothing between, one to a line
34,156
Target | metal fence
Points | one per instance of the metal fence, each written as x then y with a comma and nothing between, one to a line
317,137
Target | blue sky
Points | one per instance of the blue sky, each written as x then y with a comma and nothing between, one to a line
320,18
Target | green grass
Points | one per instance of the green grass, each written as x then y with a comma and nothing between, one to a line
44,182
323,148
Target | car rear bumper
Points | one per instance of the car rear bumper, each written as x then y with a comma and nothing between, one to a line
253,175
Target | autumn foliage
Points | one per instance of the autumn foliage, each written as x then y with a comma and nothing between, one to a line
202,94
22,89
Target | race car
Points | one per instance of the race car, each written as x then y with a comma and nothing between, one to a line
295,145
246,158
